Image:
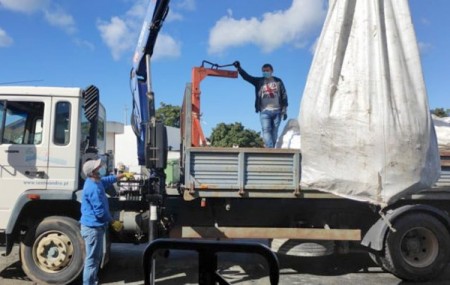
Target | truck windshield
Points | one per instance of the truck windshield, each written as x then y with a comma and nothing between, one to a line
21,122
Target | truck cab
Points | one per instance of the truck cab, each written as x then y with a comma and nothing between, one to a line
44,139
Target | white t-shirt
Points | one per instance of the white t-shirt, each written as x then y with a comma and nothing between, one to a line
270,95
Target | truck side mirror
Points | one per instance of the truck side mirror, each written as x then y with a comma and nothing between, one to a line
91,96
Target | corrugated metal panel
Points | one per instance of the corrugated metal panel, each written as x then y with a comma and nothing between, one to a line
444,180
227,172
269,169
214,169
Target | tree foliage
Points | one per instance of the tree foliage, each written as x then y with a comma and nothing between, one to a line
169,115
228,135
441,112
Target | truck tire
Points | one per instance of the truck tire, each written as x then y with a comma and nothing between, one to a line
53,252
419,249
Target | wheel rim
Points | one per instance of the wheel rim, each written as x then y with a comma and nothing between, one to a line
419,247
53,251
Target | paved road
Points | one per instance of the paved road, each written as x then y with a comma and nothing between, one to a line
179,268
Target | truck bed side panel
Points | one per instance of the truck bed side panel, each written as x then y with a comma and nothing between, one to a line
243,172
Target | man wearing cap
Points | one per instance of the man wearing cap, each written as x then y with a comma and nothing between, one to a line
95,216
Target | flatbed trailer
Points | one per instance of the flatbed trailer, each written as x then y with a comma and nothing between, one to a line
254,193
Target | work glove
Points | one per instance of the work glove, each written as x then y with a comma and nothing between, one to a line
237,64
128,175
116,225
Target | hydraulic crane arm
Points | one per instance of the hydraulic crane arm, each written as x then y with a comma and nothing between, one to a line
198,74
143,113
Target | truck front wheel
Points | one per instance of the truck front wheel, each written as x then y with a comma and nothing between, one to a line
418,250
53,252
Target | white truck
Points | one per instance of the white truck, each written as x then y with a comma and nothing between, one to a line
45,135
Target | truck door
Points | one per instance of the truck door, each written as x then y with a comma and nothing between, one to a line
64,151
24,142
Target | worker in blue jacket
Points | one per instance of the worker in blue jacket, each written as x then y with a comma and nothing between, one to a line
95,216
270,101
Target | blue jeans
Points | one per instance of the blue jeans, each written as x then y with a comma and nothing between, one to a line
93,241
270,121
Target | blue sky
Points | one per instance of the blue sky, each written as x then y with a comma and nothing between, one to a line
78,43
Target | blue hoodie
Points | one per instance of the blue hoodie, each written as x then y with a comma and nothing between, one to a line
94,203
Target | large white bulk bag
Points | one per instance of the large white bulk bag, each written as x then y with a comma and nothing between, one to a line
367,132
442,127
290,136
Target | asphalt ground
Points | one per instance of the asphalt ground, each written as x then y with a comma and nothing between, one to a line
180,267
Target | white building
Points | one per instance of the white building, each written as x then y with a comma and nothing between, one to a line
113,129
121,140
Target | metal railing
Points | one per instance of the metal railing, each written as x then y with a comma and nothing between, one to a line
207,254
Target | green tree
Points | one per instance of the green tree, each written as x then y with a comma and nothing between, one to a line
227,135
169,114
441,112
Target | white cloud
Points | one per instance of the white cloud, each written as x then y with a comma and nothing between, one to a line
425,21
84,44
24,6
166,46
174,16
53,13
117,36
313,47
424,48
5,40
138,10
121,34
59,18
188,5
271,31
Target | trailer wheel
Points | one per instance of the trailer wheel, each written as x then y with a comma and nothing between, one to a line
418,250
53,252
